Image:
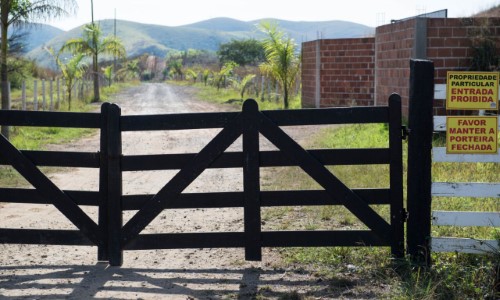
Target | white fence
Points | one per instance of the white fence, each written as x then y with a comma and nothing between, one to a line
48,95
463,189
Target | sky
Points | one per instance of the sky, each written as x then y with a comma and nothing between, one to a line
181,12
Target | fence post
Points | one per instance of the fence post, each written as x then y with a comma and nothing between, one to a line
23,95
35,95
44,102
420,123
58,99
51,91
6,106
251,182
396,177
110,186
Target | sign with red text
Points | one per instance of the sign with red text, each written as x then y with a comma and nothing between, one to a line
472,90
471,135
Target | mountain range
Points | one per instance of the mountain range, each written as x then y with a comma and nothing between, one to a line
139,38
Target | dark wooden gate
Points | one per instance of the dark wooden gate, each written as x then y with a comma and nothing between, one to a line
113,237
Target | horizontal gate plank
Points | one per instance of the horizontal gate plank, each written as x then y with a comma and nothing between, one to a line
465,218
267,159
326,116
61,159
439,155
269,239
464,245
50,119
270,198
187,240
339,238
465,189
45,237
31,196
176,121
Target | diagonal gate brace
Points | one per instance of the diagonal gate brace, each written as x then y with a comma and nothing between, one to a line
50,191
333,186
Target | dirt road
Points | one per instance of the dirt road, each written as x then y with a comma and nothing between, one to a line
55,272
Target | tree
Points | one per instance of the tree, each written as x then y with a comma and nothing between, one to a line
108,74
18,12
92,44
242,52
71,70
282,62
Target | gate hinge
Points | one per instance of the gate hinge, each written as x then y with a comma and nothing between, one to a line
404,215
405,132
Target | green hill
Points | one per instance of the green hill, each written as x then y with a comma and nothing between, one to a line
158,40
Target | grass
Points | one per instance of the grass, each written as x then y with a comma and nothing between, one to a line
452,276
232,96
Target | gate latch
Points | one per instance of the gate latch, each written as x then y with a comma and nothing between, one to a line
405,132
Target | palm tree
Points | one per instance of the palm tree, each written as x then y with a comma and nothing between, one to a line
21,12
92,44
282,63
71,70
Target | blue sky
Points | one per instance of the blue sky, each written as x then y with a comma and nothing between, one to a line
174,13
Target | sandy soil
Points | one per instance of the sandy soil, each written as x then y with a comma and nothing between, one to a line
63,272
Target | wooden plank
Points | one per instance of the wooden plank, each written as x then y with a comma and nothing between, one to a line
267,159
176,121
267,199
32,196
328,116
465,218
60,159
181,180
466,189
334,187
187,240
439,155
341,238
44,237
325,116
440,124
251,182
464,245
396,176
49,190
114,186
49,119
419,197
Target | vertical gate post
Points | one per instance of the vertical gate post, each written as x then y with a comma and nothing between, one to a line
110,186
396,177
419,160
251,182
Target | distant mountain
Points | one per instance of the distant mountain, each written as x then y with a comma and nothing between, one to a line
158,40
36,34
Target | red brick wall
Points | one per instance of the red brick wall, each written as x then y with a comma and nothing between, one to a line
367,71
346,72
394,46
449,46
308,74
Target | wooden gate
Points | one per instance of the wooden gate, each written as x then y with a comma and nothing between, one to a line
113,237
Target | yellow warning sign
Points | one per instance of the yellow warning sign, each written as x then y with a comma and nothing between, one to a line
472,90
471,135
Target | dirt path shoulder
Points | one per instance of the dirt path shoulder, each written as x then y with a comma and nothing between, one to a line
55,272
